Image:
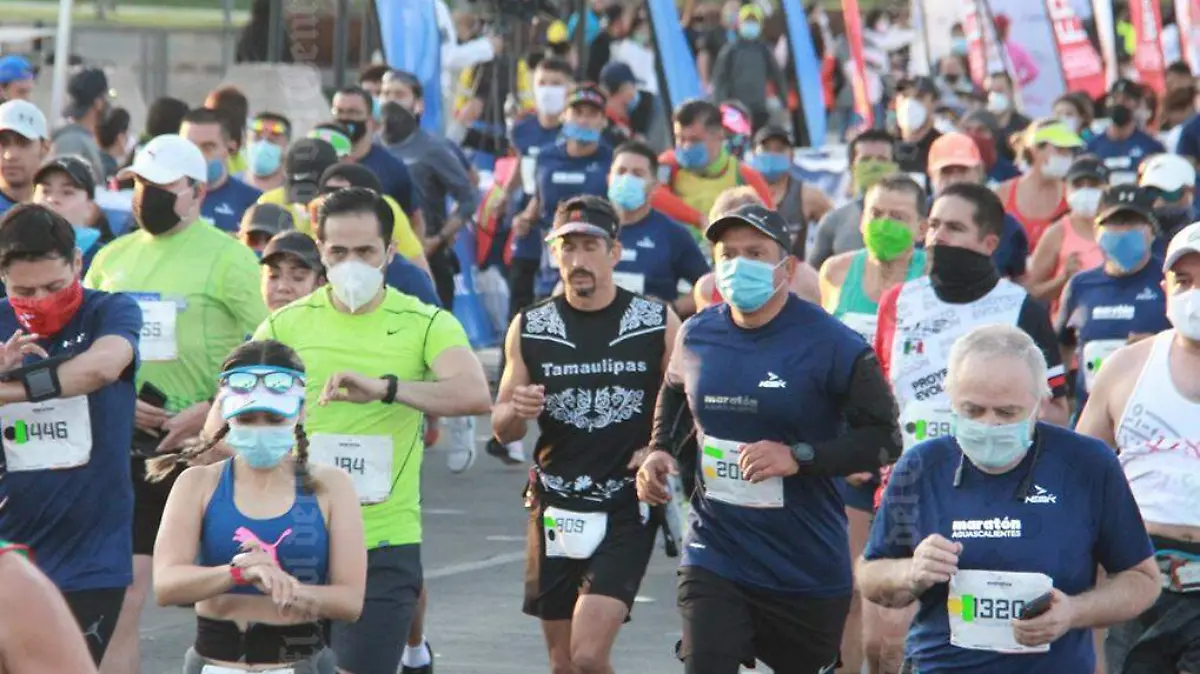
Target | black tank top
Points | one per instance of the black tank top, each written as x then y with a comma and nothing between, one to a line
602,371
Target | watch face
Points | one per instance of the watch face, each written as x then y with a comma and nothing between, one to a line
40,383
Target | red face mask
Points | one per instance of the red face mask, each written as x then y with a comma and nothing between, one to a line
45,316
987,149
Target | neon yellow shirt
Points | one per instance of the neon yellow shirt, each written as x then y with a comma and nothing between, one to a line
407,244
211,279
403,337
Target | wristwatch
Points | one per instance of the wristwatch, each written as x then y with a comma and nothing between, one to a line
803,453
392,384
236,573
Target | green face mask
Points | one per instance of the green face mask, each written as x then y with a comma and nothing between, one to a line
887,239
867,173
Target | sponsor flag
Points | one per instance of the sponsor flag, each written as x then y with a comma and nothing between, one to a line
1147,29
1081,65
862,101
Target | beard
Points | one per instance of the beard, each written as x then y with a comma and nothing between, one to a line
579,275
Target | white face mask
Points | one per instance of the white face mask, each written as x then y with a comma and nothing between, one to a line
355,283
1072,122
1184,311
550,100
998,103
1085,201
944,125
1056,166
911,115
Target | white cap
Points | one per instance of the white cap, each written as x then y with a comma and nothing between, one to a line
168,158
1185,242
25,118
1168,172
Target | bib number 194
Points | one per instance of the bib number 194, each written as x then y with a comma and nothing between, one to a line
352,464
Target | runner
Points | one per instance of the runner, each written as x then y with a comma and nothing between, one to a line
65,489
1069,246
1144,404
1124,145
67,186
215,546
800,204
227,197
766,566
915,100
272,133
380,361
993,501
657,255
585,365
291,269
1038,198
260,223
1121,302
42,635
1173,178
872,157
198,291
305,161
23,144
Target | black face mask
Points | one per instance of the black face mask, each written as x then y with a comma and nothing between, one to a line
951,79
154,208
1173,218
1120,115
356,129
398,122
960,275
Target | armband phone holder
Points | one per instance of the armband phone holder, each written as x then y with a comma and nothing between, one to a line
40,379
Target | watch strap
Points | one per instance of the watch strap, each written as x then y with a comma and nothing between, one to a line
393,383
238,575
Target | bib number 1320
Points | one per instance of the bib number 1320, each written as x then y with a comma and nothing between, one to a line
988,608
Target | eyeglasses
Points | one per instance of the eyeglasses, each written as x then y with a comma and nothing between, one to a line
245,380
269,126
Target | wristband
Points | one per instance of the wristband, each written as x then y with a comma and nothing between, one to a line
392,384
238,576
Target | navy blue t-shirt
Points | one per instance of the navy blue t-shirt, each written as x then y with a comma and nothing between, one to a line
6,203
410,279
78,521
1002,171
226,204
1103,310
1013,250
394,177
1078,513
1123,157
528,136
656,253
781,382
560,177
1189,139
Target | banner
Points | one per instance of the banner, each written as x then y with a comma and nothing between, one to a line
1030,53
674,55
1106,29
1187,17
409,37
931,20
1082,68
1148,58
862,101
808,71
983,48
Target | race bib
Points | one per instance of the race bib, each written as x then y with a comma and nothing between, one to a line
215,669
863,324
924,420
529,175
634,283
723,479
572,535
50,435
1094,354
368,459
983,604
159,317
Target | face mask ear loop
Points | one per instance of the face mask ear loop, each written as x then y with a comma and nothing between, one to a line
1026,484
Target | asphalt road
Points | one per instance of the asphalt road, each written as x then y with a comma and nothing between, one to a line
474,565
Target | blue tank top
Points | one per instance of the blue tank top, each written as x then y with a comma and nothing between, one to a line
298,536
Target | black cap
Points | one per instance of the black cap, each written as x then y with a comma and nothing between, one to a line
586,94
270,219
772,132
307,159
615,74
84,88
355,174
919,86
1088,166
763,219
587,214
1127,87
75,167
293,244
1127,199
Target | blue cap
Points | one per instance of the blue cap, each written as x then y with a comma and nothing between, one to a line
614,74
14,68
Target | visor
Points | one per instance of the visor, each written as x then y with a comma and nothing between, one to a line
1058,135
578,228
261,389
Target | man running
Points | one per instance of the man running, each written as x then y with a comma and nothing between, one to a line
23,144
380,360
586,365
38,635
1145,403
766,568
65,489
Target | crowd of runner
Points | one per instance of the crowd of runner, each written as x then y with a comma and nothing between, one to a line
938,422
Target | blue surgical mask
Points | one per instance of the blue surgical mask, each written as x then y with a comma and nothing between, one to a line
216,171
989,446
959,46
749,31
264,157
627,192
633,102
580,133
86,237
771,165
377,108
692,157
262,446
1124,249
746,284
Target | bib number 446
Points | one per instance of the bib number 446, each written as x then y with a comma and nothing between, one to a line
21,432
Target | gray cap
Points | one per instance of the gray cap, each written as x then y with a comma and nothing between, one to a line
297,245
270,219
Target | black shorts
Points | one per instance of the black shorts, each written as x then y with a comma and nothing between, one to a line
96,611
726,624
149,501
615,569
1166,638
374,643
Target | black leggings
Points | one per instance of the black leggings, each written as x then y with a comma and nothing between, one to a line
96,611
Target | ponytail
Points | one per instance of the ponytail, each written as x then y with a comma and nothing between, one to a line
158,468
308,484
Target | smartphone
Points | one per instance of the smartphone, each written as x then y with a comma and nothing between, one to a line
145,443
1037,607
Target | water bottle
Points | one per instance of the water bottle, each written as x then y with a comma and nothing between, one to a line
674,519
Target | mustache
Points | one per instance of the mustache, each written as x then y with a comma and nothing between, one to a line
581,273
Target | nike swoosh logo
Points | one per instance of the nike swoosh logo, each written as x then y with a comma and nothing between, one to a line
392,332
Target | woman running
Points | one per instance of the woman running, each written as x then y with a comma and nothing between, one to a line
263,544
1039,197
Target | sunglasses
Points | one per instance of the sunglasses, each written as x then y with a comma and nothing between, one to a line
244,380
269,126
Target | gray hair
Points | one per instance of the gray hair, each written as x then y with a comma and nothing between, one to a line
999,341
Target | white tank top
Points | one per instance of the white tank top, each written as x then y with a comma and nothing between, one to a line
1158,437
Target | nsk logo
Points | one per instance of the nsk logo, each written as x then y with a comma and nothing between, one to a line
606,366
996,527
929,386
